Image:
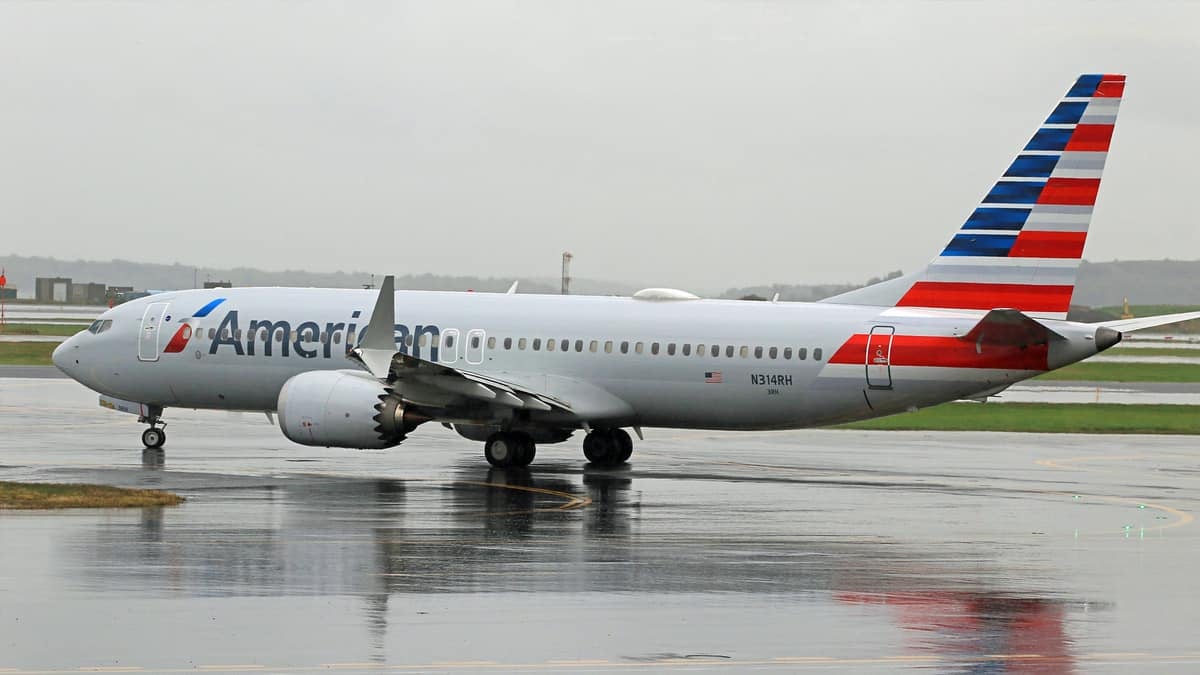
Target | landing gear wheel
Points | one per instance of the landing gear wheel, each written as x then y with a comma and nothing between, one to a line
526,450
607,447
500,449
624,445
154,437
600,448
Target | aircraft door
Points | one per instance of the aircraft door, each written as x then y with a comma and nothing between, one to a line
475,340
148,337
879,357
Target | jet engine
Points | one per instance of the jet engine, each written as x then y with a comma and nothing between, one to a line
344,409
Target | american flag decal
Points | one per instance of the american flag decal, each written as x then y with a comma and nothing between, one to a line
713,377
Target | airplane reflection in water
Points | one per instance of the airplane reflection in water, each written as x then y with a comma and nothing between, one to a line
506,531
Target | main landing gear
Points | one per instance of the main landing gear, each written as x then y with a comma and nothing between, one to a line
156,435
608,447
509,448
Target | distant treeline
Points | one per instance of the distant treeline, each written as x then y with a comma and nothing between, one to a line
1144,282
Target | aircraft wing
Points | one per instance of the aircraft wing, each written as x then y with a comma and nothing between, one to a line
1130,325
422,381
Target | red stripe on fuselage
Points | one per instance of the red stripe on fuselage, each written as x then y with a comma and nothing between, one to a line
946,352
1070,191
958,295
1032,244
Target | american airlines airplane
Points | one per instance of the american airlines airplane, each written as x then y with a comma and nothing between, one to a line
360,369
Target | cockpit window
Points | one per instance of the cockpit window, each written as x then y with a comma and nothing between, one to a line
95,327
99,326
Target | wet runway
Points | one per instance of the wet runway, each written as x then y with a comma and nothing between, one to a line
791,551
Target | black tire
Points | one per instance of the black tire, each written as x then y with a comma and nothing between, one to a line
501,449
154,437
600,448
624,445
527,450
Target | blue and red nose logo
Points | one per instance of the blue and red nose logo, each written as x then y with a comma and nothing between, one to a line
180,339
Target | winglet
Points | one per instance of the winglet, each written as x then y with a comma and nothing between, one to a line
377,348
513,289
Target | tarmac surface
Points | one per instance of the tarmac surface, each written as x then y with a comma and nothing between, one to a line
807,551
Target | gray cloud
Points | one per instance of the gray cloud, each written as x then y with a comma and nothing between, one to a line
696,144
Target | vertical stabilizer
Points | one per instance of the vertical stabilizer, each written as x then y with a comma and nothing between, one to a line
1021,246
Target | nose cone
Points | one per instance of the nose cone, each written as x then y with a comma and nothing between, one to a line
62,355
1106,337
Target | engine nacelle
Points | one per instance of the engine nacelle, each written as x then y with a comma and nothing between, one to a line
342,408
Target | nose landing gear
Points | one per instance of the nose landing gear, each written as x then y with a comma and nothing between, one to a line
156,435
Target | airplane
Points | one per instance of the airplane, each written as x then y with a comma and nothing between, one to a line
364,369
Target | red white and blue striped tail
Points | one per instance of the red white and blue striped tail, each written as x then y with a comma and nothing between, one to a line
1022,245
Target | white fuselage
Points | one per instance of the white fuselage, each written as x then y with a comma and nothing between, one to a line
711,364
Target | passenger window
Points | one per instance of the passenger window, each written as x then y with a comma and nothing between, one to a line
491,343
521,344
593,345
608,346
639,347
744,352
817,354
564,346
537,344
700,350
716,350
787,353
508,343
212,333
424,339
474,342
729,352
337,338
802,353
408,340
349,337
550,345
773,353
579,345
654,348
758,352
671,349
624,347
449,342
239,334
687,349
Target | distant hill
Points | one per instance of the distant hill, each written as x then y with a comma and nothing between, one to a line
1144,282
23,270
1172,282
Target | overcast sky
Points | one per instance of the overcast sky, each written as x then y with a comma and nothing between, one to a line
692,144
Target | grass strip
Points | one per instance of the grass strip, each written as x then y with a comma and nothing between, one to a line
1126,372
26,353
60,330
73,496
1152,351
1081,418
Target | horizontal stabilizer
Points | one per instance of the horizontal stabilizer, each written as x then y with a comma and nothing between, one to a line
1129,325
1010,327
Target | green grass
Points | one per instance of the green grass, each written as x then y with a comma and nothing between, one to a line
1084,418
1125,372
62,330
71,496
26,353
1152,351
